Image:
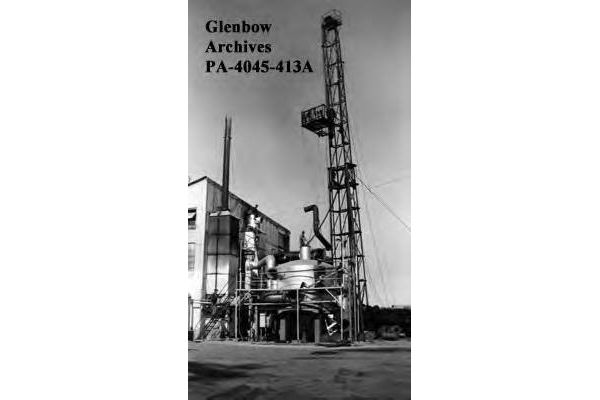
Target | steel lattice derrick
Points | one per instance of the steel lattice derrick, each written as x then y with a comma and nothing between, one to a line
331,120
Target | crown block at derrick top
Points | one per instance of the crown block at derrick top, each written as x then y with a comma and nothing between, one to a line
331,20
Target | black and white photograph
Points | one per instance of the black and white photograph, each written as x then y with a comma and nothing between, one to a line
386,199
299,200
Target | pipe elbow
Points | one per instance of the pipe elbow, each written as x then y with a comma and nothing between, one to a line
270,266
318,234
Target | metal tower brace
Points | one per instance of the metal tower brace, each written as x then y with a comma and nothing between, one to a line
344,215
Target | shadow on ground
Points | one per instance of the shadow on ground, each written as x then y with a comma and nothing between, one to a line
234,371
364,349
210,371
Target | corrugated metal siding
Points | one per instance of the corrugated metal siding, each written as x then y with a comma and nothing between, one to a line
204,195
276,236
197,201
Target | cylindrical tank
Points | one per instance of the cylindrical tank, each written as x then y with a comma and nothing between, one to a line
292,274
305,253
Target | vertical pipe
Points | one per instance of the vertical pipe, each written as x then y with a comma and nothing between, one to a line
250,318
341,315
317,328
297,316
350,314
283,329
236,318
256,321
226,153
200,324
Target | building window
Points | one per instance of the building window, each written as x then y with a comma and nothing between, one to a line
191,218
191,256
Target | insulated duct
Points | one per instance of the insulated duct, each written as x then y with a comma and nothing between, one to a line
269,261
315,211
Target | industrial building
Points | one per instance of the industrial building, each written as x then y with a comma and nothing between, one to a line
213,246
235,250
245,281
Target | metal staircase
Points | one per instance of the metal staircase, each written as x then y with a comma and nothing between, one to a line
221,310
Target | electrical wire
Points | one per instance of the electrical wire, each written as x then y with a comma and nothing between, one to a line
358,157
382,266
385,205
387,182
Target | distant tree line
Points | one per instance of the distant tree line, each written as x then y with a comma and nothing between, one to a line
387,322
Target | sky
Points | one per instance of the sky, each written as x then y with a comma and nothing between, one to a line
279,165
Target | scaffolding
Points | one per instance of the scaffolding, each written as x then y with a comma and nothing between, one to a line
294,303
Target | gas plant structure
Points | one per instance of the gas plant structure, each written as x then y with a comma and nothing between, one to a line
311,294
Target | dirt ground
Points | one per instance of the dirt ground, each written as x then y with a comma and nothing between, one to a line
235,370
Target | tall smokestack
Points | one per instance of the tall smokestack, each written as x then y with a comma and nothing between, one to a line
226,152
